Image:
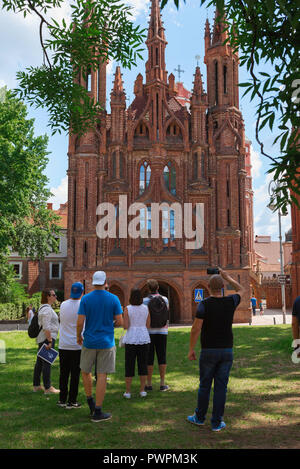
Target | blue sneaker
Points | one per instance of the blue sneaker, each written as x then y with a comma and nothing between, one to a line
194,419
219,427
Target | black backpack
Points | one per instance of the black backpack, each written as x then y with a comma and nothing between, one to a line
159,313
34,329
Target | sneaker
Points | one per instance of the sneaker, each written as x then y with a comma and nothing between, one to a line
194,419
127,395
61,404
100,417
73,405
219,427
148,388
52,390
38,388
143,394
164,387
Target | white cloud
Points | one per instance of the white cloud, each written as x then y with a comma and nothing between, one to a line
256,162
265,221
60,193
138,7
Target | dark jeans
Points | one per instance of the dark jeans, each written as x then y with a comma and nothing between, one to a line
69,361
42,368
214,365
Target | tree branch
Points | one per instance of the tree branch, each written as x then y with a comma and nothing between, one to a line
32,7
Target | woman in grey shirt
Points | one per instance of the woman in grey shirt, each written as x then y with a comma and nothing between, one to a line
48,321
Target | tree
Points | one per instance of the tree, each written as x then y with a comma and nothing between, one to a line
268,31
100,30
26,226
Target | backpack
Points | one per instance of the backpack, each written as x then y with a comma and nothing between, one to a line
34,329
159,313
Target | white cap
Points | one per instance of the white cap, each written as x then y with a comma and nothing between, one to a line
99,278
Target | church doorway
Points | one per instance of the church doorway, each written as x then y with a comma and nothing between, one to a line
116,290
174,302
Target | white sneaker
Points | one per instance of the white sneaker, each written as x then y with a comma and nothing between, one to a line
143,394
127,395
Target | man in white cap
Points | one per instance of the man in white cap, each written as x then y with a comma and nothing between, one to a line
99,312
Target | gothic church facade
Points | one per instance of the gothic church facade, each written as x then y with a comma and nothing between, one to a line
160,150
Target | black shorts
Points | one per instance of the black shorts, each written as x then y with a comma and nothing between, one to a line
158,345
133,353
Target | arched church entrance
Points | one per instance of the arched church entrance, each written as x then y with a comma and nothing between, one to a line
165,289
116,290
201,291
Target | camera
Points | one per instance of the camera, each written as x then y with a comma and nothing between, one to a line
213,270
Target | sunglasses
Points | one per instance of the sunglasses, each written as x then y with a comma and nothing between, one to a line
53,294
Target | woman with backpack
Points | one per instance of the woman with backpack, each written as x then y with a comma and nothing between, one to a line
48,331
136,321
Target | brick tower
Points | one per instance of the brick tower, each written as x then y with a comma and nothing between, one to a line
156,151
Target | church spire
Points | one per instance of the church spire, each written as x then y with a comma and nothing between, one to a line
156,43
219,33
155,23
198,84
118,94
207,35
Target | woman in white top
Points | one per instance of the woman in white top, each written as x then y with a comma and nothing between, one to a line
136,321
49,324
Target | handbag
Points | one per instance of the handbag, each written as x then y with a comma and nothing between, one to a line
121,339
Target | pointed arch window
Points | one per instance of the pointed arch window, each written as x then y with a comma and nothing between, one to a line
225,78
168,226
195,166
203,165
145,227
122,165
216,83
170,177
89,80
145,175
114,165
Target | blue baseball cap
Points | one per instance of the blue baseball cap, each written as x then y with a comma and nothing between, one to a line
76,290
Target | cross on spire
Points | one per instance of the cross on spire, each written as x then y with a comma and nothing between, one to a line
180,71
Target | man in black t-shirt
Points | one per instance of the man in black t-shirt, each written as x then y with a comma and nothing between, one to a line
213,320
296,324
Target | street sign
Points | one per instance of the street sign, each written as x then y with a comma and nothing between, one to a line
199,295
282,279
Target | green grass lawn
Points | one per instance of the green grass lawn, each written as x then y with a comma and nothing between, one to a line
262,408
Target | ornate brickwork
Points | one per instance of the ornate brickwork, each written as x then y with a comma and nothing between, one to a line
160,150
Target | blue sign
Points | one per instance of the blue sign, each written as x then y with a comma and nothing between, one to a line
199,295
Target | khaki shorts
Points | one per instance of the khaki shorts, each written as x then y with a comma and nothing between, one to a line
105,360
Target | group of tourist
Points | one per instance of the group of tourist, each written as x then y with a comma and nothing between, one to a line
86,343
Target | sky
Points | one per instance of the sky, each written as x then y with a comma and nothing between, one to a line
184,29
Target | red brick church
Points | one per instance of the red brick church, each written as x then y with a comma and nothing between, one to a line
172,147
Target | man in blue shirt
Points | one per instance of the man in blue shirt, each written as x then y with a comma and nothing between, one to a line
253,304
99,312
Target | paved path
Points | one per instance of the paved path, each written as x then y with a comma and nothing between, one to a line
269,318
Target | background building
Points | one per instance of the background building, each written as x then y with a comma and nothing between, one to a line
48,272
